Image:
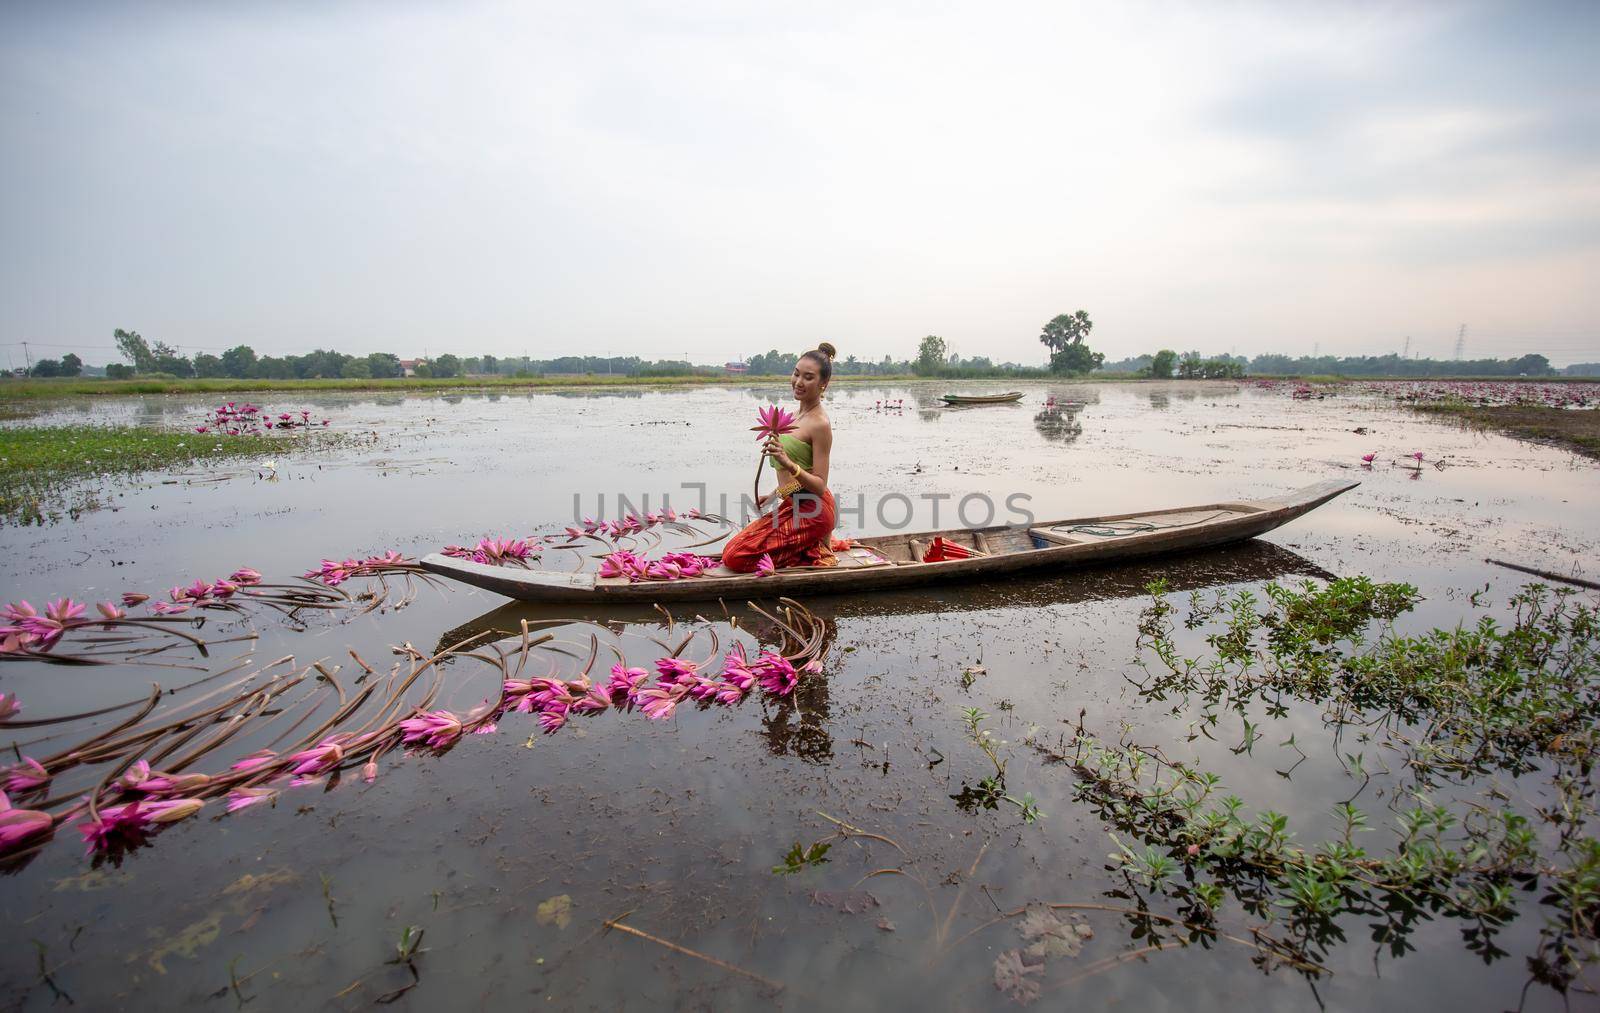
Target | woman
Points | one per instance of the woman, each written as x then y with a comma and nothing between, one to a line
800,526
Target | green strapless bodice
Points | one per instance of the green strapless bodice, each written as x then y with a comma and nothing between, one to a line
797,449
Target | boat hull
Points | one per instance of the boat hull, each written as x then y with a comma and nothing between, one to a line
1059,545
1015,395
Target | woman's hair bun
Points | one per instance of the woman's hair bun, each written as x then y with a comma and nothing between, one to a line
826,348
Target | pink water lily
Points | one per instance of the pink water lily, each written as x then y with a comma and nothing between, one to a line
1368,458
162,608
369,771
319,759
19,827
244,576
775,674
624,683
157,784
436,729
255,761
244,798
1418,455
658,701
24,776
110,610
765,567
117,826
9,708
773,421
132,598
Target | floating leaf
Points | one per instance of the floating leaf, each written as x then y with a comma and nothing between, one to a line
1011,976
1050,937
187,941
556,911
800,857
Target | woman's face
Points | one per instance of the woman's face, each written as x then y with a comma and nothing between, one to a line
807,381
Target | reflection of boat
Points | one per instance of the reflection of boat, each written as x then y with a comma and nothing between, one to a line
1236,564
893,561
1015,395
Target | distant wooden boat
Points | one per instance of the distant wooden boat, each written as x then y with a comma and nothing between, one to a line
953,399
893,561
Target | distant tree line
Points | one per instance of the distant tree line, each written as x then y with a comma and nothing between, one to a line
67,365
1193,365
1063,335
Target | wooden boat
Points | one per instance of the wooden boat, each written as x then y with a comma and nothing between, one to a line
952,399
1251,560
892,561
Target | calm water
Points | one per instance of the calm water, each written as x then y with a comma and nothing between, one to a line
680,822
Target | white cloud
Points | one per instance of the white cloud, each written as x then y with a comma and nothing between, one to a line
664,178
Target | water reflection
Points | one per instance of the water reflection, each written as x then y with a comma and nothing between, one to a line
1059,423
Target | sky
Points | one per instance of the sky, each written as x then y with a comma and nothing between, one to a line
715,179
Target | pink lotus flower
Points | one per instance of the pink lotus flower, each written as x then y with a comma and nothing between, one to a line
244,798
18,827
319,759
624,683
438,729
110,610
171,784
132,598
24,776
677,670
774,421
765,566
658,701
118,826
736,669
596,699
775,674
9,708
255,761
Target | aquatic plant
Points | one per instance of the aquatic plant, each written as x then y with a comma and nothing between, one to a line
772,422
1519,699
118,799
235,419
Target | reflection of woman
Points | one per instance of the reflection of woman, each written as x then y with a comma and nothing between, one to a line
800,525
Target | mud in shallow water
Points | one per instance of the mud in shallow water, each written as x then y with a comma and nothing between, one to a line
513,850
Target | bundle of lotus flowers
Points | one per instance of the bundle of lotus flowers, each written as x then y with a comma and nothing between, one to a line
109,788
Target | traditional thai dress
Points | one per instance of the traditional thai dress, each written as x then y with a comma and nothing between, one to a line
797,531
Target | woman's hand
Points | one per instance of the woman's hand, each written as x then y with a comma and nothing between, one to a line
774,450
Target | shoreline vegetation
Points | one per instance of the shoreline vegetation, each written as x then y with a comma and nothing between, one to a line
1574,430
47,472
43,388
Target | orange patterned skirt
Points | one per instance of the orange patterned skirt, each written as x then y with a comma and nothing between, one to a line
797,533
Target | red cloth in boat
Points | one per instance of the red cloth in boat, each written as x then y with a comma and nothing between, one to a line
797,533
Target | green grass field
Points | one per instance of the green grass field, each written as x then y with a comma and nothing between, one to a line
50,471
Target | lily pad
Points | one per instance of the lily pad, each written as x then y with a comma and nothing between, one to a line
556,911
